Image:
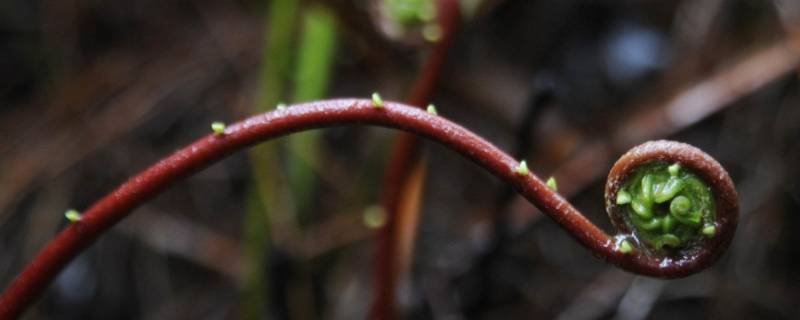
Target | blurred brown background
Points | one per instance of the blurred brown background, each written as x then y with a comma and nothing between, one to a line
94,91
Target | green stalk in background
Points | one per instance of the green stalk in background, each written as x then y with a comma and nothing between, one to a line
314,61
272,205
265,204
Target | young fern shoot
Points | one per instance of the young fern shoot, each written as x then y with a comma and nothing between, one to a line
671,200
644,178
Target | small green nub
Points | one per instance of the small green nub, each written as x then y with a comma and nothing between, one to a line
709,230
625,247
551,183
218,127
281,106
73,215
432,109
376,100
674,169
623,197
522,168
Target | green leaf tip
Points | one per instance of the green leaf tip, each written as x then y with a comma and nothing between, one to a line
374,217
281,106
625,247
522,168
623,197
73,215
432,109
551,183
377,101
709,231
674,169
218,127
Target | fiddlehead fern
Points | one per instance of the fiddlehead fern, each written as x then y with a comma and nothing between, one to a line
626,250
675,202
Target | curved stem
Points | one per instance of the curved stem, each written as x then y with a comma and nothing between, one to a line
212,148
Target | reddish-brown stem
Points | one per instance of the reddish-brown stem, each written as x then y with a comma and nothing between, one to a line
112,208
404,155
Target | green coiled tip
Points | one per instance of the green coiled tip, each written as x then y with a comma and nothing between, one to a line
667,206
681,209
680,206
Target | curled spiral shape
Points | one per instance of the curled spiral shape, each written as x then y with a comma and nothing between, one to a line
228,139
713,232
